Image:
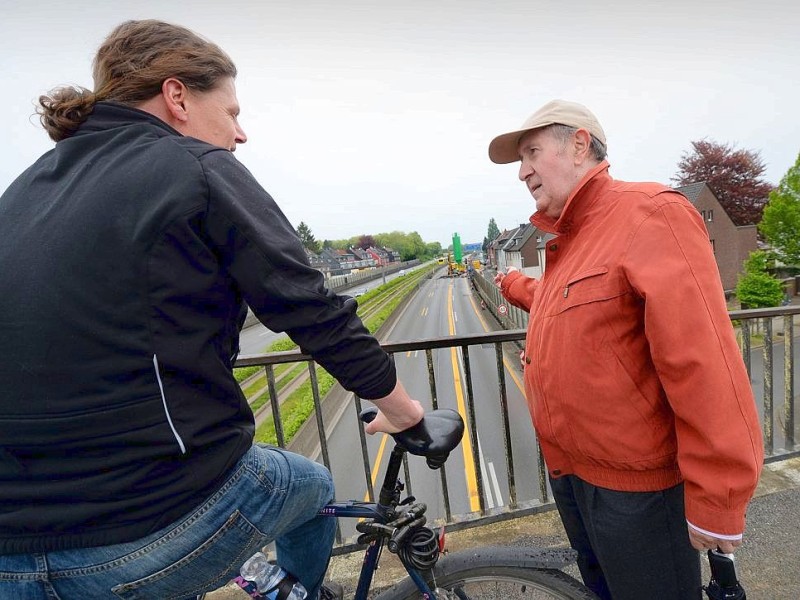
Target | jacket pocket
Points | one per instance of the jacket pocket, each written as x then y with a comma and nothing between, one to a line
592,285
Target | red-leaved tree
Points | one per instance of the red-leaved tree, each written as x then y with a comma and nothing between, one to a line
733,175
366,241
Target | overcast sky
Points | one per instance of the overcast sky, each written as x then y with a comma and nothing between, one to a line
370,117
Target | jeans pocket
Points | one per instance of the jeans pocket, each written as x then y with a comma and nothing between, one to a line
206,567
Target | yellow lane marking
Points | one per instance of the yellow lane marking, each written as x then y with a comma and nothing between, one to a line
466,444
378,459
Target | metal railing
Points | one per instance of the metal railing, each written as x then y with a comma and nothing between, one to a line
763,334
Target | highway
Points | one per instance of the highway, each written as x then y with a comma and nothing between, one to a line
443,307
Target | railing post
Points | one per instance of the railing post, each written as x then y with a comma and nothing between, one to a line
769,441
473,430
275,404
746,344
435,405
501,376
323,439
788,381
362,436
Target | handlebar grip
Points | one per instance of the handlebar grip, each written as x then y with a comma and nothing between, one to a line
368,414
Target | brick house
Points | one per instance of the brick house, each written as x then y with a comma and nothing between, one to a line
731,243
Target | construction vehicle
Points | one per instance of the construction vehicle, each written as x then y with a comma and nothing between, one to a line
454,268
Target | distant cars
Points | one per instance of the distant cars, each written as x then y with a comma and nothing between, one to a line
358,293
401,272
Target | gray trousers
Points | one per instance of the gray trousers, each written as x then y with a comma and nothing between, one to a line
631,545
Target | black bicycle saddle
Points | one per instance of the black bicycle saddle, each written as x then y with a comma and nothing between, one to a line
434,436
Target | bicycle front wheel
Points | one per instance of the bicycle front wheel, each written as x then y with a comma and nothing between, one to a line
495,573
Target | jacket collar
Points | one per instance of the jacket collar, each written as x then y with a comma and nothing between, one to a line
579,202
108,115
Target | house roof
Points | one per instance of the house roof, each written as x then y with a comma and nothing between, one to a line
518,237
692,190
502,238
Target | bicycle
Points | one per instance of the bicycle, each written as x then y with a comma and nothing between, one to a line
399,525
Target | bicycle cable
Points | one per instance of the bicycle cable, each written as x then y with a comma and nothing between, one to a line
420,549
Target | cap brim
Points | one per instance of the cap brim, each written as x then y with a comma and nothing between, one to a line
504,148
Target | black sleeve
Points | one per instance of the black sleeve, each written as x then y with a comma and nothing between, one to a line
260,249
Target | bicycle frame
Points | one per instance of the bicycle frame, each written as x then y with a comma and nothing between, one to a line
385,507
400,526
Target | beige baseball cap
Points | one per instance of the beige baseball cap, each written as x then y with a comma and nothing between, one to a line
503,148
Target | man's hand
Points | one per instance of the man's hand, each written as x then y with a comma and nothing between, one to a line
498,279
703,541
396,412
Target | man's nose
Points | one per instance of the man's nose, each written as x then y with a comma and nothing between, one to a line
525,171
241,136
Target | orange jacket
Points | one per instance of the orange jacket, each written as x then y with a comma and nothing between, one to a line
633,376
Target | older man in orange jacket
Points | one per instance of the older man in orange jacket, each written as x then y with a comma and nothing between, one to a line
634,380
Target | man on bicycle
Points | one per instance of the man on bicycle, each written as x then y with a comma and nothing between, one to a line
130,252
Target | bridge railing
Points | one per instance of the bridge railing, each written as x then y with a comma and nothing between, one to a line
764,334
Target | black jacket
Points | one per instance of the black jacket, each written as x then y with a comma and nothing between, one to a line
127,254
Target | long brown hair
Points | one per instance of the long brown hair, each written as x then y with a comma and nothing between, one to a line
130,66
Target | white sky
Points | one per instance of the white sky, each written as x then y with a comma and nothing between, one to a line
370,117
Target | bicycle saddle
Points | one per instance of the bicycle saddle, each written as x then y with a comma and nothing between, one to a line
433,437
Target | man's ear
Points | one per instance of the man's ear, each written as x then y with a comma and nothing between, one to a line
175,93
581,142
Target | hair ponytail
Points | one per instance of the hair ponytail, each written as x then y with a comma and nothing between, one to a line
63,109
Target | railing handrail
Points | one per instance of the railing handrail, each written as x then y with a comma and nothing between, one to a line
287,356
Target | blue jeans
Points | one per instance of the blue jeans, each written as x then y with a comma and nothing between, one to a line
270,495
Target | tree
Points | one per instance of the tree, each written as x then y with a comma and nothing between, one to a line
408,245
780,224
305,235
433,249
756,287
733,175
366,241
491,235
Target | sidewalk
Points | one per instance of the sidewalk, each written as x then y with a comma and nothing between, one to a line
768,561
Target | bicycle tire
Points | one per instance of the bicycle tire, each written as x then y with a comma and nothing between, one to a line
499,572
